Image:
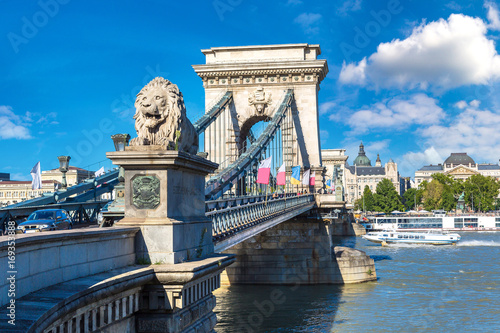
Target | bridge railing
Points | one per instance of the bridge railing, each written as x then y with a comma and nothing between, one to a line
232,219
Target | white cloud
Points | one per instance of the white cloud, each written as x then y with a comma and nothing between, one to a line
11,125
353,74
308,22
350,6
397,113
473,131
493,15
378,147
461,104
443,54
413,161
326,107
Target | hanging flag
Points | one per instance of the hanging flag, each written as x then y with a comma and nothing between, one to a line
99,172
264,171
281,177
312,179
305,177
329,184
295,179
36,174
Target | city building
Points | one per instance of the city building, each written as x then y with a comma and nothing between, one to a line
12,192
362,174
459,166
74,175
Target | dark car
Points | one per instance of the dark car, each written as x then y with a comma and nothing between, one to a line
45,220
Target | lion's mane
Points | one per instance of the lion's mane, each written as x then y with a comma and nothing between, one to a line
172,119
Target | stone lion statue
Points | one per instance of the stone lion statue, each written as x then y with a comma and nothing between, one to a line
160,118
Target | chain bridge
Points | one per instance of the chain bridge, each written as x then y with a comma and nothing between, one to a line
155,269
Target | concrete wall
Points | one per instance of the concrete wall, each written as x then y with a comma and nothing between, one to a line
298,251
45,259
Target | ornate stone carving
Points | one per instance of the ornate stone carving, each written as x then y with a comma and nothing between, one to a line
160,118
146,192
259,99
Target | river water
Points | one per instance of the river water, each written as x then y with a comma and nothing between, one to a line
420,288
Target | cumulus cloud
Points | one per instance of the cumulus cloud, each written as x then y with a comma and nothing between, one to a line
415,160
493,15
397,113
308,22
11,125
473,131
326,107
442,55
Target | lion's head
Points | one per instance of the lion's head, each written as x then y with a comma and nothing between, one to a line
159,108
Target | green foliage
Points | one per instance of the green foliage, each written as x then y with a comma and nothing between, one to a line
410,196
366,202
481,192
386,198
443,192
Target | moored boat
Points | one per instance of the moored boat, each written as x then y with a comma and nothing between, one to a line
431,237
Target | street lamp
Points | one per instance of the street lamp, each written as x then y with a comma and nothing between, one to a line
120,141
64,167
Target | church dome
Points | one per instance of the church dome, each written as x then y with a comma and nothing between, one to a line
459,158
361,159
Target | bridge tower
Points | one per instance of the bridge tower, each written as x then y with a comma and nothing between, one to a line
258,76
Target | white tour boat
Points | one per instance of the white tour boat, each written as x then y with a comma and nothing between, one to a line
431,237
413,222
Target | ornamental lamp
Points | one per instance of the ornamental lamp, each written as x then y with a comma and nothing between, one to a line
120,141
64,167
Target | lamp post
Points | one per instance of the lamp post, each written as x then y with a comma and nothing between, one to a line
64,167
120,141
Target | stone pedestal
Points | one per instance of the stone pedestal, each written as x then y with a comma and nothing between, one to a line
164,196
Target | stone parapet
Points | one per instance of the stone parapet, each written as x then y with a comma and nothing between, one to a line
158,298
45,259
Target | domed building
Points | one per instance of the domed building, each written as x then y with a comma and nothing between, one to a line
459,166
362,174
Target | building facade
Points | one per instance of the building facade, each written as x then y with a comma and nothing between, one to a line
74,175
362,174
12,192
459,166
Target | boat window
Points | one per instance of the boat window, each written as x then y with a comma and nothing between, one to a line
422,237
401,236
384,235
411,236
406,236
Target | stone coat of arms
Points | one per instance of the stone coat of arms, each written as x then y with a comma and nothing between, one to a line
259,99
146,192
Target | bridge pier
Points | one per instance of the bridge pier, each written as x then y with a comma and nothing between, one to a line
298,251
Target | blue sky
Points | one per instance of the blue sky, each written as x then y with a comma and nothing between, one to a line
414,80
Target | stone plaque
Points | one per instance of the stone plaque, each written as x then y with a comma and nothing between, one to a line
146,192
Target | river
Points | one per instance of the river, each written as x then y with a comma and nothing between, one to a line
420,288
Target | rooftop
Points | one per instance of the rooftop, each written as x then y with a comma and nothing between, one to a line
459,158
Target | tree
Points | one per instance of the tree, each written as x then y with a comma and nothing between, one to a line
410,196
366,202
433,195
386,197
481,192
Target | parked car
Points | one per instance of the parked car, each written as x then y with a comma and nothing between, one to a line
45,220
